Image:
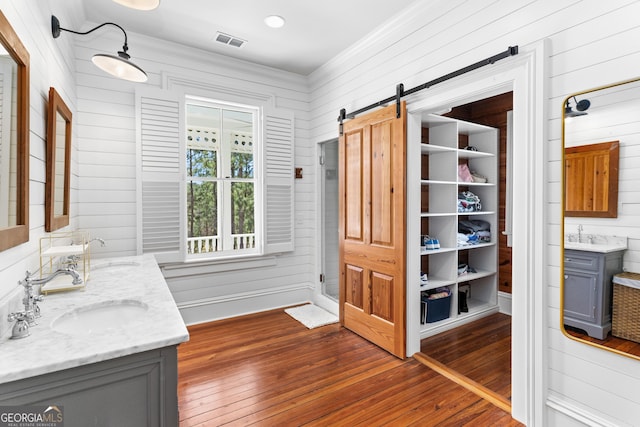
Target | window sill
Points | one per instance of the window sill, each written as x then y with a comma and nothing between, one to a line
196,266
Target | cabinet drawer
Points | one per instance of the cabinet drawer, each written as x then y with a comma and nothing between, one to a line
581,260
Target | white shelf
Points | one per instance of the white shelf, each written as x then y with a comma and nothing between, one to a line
469,154
438,214
64,250
479,274
436,283
476,213
424,251
475,184
437,182
431,148
477,246
441,221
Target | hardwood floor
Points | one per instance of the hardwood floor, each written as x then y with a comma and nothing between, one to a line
619,344
480,350
268,369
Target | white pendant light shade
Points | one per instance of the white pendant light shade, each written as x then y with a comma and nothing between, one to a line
139,4
120,67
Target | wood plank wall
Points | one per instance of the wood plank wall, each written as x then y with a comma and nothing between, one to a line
51,64
107,191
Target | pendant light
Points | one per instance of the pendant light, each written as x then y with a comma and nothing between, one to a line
581,106
117,65
139,4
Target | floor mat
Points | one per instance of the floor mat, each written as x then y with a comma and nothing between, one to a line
311,315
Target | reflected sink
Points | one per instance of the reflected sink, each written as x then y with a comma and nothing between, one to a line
100,317
597,247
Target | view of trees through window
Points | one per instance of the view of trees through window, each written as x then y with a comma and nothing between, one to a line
220,179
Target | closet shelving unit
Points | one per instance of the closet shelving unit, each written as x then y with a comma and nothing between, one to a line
441,155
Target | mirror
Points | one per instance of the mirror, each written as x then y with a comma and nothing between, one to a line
600,291
56,196
591,174
14,138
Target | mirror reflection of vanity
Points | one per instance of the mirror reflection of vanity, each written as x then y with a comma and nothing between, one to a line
601,136
14,138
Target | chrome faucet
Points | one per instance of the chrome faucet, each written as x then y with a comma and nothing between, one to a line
25,319
580,233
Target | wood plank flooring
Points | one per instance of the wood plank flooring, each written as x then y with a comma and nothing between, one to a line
267,369
480,350
618,344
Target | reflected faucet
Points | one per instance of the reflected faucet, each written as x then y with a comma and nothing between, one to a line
102,242
25,319
580,233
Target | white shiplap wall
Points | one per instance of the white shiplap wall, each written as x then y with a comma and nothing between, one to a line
591,43
107,190
51,65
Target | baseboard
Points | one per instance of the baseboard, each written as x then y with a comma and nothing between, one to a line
580,414
504,302
210,309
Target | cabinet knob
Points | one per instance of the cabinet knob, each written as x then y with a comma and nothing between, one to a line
566,277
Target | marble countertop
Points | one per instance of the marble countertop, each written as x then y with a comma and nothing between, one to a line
111,279
596,243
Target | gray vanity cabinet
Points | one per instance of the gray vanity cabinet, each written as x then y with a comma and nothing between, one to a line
130,391
587,290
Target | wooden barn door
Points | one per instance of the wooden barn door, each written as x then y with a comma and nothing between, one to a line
372,228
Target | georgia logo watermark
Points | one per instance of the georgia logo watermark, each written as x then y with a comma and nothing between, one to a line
31,416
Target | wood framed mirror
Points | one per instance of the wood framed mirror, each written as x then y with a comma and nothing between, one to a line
591,180
56,196
600,284
14,138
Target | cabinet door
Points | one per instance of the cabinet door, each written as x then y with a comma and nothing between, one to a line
580,291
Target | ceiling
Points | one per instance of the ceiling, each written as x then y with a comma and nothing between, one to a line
315,30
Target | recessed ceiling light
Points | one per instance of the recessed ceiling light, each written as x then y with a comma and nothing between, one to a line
139,4
274,21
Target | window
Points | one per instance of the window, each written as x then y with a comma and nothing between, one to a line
220,179
225,191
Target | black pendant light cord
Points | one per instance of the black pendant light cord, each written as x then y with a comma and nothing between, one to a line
56,28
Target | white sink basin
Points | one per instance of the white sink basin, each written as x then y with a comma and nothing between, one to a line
100,317
595,247
116,264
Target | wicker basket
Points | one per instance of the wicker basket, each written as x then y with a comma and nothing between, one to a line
626,306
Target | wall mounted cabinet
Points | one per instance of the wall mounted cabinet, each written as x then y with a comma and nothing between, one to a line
463,262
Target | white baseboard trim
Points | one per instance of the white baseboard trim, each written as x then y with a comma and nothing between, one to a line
578,413
504,302
210,309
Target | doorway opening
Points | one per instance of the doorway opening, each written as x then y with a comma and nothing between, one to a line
485,337
329,275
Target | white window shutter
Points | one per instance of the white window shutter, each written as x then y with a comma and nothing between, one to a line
278,180
160,148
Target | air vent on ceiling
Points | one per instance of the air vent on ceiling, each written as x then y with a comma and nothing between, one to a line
229,40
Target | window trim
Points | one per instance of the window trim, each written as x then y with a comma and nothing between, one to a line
159,187
258,180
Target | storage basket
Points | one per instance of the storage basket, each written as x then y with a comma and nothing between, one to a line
434,310
626,306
